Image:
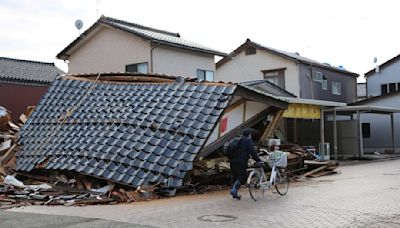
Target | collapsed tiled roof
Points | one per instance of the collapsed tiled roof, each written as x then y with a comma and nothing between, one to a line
129,133
154,35
27,71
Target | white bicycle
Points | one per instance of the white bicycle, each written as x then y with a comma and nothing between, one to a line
257,181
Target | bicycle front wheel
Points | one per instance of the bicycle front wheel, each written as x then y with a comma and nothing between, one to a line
281,182
254,184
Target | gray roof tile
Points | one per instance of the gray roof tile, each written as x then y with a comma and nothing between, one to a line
17,70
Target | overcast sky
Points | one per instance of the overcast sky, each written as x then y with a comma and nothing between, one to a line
339,32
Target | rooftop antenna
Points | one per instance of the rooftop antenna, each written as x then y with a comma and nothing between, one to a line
97,8
79,25
377,66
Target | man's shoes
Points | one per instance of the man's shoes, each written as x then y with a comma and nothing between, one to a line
235,195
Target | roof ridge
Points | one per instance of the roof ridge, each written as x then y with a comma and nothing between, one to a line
105,18
30,61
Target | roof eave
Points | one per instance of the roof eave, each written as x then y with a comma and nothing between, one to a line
64,54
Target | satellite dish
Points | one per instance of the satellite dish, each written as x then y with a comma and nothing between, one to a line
79,24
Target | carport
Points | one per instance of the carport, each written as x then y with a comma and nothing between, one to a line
356,111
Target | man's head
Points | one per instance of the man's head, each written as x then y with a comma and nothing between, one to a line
247,133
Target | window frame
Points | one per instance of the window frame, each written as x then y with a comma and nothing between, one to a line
366,130
319,73
391,86
205,75
137,67
384,89
324,84
336,88
275,74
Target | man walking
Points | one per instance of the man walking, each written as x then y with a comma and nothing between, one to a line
238,163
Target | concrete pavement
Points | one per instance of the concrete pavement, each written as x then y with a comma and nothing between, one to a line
365,195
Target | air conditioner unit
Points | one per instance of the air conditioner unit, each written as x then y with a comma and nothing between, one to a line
327,151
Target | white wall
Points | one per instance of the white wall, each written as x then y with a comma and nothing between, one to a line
236,117
248,67
174,61
109,50
389,74
380,125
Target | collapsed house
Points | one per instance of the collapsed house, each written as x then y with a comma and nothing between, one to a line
137,129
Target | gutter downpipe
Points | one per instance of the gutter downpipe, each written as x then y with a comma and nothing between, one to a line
151,56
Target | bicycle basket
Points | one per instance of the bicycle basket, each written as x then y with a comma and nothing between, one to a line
278,159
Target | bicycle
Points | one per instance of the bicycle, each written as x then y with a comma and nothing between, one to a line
257,181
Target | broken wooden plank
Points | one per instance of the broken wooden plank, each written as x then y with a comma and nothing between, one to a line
23,118
323,173
314,170
8,155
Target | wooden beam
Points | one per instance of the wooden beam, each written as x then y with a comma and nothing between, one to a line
269,131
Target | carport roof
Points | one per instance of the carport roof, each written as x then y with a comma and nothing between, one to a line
369,109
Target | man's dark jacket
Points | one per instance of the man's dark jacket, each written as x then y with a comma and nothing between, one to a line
245,150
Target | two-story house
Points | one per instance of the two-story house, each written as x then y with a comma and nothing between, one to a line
316,85
383,89
305,78
112,45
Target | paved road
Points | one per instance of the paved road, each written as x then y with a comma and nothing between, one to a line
366,195
32,220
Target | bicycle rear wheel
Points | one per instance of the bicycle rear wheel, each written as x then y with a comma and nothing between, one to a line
281,182
253,183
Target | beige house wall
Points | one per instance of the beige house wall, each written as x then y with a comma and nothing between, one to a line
108,50
248,67
174,61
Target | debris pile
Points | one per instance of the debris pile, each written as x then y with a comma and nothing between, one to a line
8,139
68,190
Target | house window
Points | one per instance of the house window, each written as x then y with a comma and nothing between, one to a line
384,89
317,76
251,51
336,88
392,87
137,68
366,130
205,75
275,76
325,84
